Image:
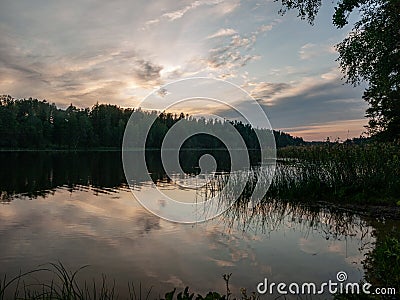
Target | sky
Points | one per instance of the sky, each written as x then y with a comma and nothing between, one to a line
117,52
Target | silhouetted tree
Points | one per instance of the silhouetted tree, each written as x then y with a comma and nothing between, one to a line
371,53
30,123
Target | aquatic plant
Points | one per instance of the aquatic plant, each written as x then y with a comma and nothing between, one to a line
363,174
66,286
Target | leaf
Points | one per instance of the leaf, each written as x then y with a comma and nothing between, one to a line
170,295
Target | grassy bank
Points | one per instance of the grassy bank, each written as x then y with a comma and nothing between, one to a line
347,173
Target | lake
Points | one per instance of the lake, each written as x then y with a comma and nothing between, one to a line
77,208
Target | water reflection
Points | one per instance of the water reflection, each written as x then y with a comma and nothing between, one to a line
38,173
83,213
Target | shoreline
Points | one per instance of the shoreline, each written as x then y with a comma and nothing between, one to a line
378,211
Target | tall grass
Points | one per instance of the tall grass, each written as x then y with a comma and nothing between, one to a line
66,286
367,173
361,174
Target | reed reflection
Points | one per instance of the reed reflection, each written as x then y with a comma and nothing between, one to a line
34,174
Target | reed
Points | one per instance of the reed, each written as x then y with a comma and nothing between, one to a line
63,286
67,286
366,173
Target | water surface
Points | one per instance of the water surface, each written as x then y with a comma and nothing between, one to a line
76,208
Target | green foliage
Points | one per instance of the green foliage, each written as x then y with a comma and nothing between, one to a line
307,9
33,124
382,267
186,296
383,263
371,53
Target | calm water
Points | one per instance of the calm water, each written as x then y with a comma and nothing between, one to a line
76,208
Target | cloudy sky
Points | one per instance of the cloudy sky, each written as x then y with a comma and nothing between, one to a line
83,52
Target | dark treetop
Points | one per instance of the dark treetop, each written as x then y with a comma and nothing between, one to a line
33,124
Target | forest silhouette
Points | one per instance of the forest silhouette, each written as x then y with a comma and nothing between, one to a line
38,124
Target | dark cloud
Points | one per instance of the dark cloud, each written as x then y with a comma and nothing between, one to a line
264,91
13,58
318,103
146,71
307,103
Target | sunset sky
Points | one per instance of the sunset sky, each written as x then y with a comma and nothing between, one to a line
83,52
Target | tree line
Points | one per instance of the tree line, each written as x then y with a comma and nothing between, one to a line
38,124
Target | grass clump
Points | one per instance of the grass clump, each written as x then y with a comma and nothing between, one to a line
365,174
65,286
